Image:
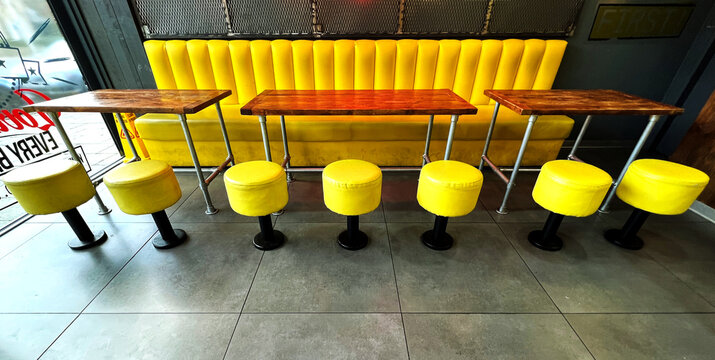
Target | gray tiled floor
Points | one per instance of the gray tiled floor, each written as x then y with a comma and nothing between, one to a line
491,296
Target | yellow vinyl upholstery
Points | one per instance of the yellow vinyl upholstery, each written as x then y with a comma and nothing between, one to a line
143,187
449,188
352,187
661,187
49,186
571,188
256,188
468,67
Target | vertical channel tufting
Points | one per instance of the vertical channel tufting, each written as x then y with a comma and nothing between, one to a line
486,70
385,58
405,65
180,64
222,70
323,64
549,64
344,64
530,61
282,54
447,59
201,64
426,63
512,49
303,64
242,66
159,62
467,68
364,64
262,61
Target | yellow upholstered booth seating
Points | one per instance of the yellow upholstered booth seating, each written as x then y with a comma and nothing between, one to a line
247,68
571,188
447,188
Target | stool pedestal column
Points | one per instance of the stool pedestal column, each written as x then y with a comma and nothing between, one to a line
627,237
170,237
85,237
268,239
437,238
353,238
546,239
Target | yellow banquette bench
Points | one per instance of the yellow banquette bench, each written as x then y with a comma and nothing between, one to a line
467,67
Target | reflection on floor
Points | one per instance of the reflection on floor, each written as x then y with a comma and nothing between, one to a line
492,295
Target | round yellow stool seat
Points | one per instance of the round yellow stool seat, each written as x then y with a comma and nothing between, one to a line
661,187
449,188
352,187
143,187
50,186
256,188
571,188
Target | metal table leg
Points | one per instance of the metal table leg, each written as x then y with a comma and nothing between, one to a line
425,156
129,138
489,136
264,133
210,209
450,137
639,145
103,209
572,154
286,153
532,119
222,123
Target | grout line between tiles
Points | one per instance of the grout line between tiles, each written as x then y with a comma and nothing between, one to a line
26,241
397,288
679,279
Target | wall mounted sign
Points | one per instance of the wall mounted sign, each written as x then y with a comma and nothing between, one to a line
640,21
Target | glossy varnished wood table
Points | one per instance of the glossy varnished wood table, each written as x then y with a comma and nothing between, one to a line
571,102
357,102
179,102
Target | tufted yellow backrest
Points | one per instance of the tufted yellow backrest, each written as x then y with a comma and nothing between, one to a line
467,67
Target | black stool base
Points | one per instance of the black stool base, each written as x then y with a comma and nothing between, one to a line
161,242
615,236
98,238
276,241
357,241
443,242
553,243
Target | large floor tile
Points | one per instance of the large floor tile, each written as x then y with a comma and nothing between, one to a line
592,275
687,250
18,236
480,273
26,336
45,275
145,336
492,336
399,201
194,208
318,336
312,273
211,272
647,336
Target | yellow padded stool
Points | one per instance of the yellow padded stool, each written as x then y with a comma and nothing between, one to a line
148,187
566,188
258,188
52,186
352,188
658,187
447,188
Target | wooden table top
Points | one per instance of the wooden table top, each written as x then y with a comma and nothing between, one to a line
133,101
579,102
358,102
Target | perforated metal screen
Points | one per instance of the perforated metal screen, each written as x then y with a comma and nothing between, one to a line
365,18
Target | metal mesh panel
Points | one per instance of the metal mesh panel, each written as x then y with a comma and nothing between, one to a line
358,17
270,16
444,16
182,17
533,17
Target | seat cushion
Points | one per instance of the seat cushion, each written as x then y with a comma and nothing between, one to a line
571,188
661,187
143,187
49,186
352,187
256,188
449,188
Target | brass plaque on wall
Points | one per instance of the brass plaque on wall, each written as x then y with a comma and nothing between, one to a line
640,21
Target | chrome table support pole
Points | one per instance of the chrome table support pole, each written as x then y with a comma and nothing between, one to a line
639,145
210,209
425,156
576,143
129,138
286,153
264,133
532,119
489,136
103,209
225,133
450,137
